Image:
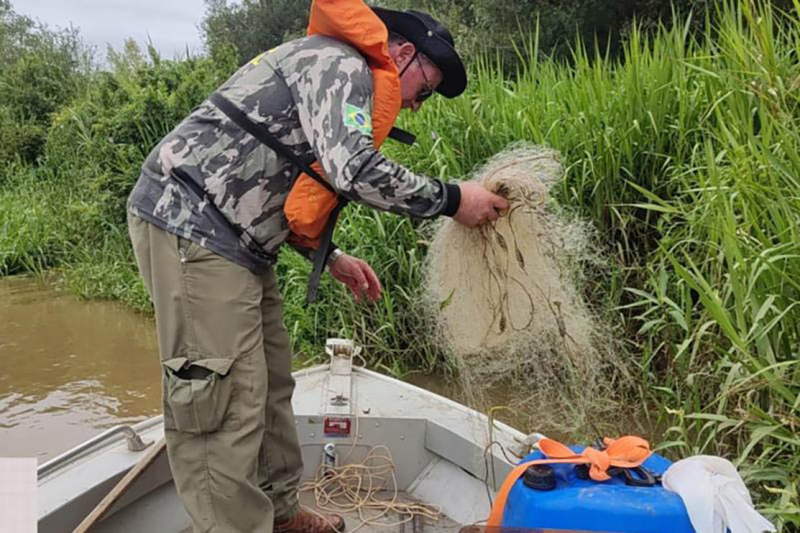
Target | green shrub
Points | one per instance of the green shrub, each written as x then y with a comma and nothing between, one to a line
250,27
40,71
19,139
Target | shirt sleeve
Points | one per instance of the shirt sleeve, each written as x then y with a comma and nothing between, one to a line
333,93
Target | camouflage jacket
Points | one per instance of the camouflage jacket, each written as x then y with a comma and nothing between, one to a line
315,96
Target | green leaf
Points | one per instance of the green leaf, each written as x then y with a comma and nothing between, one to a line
447,301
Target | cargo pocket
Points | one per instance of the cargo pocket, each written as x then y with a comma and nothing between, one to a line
198,393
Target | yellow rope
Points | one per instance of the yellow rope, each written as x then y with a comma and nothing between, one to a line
355,487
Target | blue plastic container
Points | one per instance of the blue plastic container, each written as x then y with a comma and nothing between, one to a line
591,506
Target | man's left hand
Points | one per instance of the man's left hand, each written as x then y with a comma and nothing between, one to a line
358,276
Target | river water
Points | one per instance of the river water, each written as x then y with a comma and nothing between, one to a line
70,369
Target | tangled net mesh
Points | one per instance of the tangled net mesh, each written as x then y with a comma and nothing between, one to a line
507,302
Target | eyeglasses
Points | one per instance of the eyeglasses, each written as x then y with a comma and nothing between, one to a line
428,90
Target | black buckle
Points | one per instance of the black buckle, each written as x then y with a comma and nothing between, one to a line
643,477
402,136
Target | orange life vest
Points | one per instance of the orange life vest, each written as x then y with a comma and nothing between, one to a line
309,203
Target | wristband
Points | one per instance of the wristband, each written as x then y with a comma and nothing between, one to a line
453,195
334,255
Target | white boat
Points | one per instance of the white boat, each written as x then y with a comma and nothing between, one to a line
439,449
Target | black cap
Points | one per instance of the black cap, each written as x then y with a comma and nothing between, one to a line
431,38
539,477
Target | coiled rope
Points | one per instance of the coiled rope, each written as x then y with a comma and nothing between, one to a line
362,487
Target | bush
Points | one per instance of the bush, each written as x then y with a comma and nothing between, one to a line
253,26
19,139
40,71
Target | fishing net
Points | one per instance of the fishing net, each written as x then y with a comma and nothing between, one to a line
507,303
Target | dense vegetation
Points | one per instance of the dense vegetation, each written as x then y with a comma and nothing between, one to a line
683,149
478,25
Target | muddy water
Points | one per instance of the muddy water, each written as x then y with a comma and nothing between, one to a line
70,369
490,400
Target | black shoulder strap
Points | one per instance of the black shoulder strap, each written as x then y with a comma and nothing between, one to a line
260,132
403,136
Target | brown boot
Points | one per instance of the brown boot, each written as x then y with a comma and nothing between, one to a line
306,522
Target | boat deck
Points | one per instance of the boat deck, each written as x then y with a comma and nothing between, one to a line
389,523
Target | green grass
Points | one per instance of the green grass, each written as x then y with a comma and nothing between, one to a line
683,153
41,221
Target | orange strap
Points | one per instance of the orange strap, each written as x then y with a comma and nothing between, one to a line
626,452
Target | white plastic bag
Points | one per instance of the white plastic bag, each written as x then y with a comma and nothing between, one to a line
715,496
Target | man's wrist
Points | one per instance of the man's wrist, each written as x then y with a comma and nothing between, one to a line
452,199
335,254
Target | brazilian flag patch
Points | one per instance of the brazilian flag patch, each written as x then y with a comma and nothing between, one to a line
357,118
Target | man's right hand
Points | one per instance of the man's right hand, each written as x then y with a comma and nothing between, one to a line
478,205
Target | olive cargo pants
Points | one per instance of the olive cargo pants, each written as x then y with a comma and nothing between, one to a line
226,384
